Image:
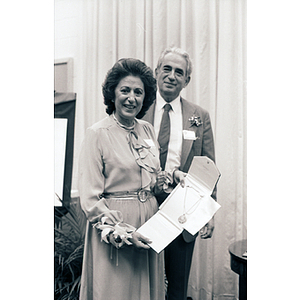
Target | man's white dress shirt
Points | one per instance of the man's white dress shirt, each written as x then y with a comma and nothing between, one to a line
175,143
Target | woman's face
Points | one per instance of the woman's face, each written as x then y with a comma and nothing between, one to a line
129,97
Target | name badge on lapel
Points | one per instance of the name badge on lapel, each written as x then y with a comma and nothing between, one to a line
189,135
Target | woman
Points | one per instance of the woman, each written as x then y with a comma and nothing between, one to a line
119,175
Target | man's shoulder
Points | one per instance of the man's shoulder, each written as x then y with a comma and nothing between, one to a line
196,107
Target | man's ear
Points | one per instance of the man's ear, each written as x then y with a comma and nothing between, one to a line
187,80
156,71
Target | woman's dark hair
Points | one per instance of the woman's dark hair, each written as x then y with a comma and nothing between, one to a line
125,67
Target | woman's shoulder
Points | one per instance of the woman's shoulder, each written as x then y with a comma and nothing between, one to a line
146,127
102,124
144,123
99,130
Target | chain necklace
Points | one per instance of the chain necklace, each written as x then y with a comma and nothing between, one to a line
123,126
183,218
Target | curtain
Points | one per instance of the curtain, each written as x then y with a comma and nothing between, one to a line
213,32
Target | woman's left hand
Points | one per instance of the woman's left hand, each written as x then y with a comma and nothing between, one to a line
139,241
179,177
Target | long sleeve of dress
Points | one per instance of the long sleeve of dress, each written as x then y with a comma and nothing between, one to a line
91,178
91,182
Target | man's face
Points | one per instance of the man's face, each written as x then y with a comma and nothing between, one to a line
171,76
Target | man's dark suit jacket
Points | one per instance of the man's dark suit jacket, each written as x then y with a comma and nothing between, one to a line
202,146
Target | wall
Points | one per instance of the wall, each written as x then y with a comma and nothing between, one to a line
68,24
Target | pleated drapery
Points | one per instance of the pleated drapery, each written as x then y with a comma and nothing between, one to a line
213,32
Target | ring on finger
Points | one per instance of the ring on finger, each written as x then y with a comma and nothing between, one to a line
203,230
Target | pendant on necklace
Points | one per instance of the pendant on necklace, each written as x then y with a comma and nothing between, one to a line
182,219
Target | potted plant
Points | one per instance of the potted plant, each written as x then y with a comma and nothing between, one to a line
68,252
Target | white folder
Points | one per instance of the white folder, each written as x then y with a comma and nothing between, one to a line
193,201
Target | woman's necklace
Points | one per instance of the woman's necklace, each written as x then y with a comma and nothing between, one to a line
121,125
183,218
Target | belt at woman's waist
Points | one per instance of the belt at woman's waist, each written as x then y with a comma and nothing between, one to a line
142,195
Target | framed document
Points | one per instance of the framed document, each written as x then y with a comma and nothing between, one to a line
60,138
64,118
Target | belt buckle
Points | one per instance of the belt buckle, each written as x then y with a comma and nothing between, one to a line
143,195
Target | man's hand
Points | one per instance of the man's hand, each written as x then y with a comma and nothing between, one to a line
207,231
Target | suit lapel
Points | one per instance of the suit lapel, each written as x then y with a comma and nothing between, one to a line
187,112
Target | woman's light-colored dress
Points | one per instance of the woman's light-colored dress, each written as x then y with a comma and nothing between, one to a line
115,159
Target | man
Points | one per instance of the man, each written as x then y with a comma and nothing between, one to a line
189,134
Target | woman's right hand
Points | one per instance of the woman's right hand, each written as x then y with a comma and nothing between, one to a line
115,240
163,179
140,241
